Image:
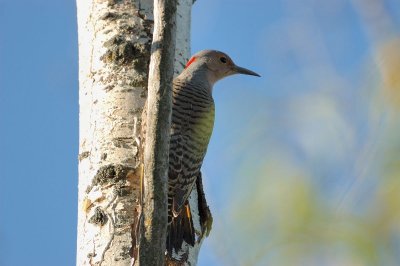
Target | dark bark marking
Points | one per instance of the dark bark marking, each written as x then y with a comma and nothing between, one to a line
99,217
83,155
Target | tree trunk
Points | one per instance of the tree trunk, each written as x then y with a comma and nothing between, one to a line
114,52
158,123
114,45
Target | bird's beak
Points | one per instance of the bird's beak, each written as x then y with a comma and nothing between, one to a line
242,70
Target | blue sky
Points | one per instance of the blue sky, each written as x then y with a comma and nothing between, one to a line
305,50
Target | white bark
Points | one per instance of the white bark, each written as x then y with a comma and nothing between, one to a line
182,46
114,43
114,49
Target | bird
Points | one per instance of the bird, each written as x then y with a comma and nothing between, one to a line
192,122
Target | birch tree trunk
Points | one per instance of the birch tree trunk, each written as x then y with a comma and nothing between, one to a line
114,51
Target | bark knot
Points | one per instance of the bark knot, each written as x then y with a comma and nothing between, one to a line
122,51
111,173
99,217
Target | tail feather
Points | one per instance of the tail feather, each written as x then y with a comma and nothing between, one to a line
180,229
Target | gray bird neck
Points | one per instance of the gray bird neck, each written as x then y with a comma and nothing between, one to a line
202,77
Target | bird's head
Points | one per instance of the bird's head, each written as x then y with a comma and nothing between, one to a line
217,65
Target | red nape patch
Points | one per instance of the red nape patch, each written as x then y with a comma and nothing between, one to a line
190,61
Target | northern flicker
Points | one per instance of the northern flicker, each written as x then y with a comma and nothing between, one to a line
191,127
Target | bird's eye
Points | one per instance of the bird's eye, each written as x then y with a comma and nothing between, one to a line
223,60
